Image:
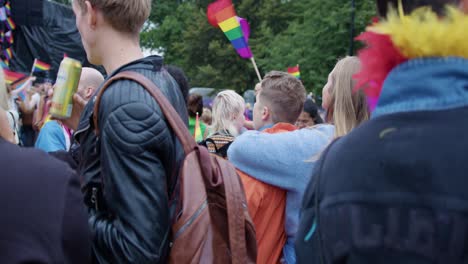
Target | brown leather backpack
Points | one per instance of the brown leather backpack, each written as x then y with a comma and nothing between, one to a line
212,224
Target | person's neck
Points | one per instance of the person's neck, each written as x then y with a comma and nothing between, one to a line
121,51
266,126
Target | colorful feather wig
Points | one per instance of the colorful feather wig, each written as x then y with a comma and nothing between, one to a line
401,37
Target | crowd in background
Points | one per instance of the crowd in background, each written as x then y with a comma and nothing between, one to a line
339,182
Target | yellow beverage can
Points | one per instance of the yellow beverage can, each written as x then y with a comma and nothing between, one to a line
68,78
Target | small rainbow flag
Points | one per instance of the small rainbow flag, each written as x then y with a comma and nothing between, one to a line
40,66
22,89
197,135
8,8
11,25
11,76
9,37
8,53
294,71
221,13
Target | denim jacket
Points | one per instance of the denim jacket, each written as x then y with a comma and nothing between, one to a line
425,84
394,189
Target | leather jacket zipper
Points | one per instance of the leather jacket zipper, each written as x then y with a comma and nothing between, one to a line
94,198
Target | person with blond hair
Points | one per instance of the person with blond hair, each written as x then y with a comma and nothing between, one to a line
130,170
345,107
393,190
5,129
10,113
227,122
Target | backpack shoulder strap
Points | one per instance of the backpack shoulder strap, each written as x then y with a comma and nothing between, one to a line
174,120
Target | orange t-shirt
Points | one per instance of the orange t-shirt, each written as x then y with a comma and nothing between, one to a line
267,206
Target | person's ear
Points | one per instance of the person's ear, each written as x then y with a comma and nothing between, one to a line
92,15
266,113
89,92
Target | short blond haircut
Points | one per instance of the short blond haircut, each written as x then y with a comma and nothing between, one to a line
284,94
123,15
226,106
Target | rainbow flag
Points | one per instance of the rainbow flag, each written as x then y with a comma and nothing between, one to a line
21,89
40,66
10,24
9,37
222,14
8,54
294,71
197,135
8,9
11,76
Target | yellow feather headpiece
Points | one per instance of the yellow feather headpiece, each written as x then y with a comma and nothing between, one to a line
424,34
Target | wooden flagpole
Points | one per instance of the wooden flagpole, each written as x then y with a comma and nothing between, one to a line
32,69
256,68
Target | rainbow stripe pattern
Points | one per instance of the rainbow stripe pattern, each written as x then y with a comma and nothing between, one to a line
22,89
294,71
223,14
10,24
11,76
8,54
8,8
40,66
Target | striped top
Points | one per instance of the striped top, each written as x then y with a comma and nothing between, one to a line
217,141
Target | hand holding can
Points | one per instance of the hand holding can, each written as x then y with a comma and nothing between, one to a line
66,85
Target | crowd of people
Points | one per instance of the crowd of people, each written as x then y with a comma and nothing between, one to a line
361,183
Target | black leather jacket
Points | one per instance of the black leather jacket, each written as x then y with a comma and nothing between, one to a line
126,171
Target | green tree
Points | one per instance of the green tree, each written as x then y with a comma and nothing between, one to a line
311,33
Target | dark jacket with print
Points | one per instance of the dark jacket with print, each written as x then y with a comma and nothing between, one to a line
395,189
130,170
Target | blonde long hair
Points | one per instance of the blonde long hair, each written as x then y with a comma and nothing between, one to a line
226,106
348,109
4,97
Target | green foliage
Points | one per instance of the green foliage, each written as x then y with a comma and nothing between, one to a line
311,33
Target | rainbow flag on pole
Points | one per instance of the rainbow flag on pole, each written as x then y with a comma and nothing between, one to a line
40,66
8,8
294,71
222,14
11,25
22,88
8,54
11,76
